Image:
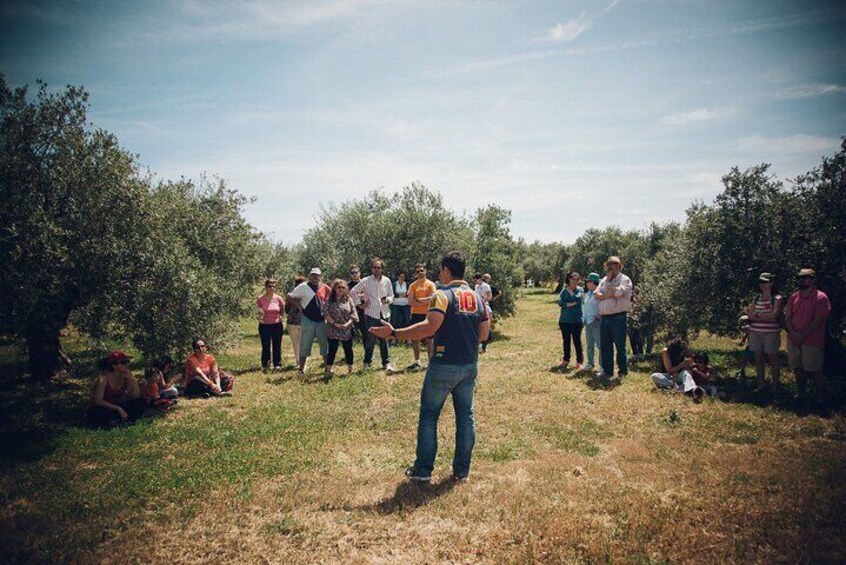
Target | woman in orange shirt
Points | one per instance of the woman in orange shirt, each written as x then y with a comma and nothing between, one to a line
202,373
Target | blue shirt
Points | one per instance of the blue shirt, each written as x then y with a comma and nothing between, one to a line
457,340
573,314
591,308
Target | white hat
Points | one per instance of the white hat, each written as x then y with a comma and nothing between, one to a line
315,271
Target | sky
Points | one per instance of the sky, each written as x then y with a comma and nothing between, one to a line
573,114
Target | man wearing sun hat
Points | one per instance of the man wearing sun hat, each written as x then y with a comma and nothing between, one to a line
615,302
310,297
807,311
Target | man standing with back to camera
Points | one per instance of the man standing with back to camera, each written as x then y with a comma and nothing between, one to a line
459,320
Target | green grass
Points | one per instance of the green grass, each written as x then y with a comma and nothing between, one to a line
566,468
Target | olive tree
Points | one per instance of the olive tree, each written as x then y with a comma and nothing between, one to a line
87,238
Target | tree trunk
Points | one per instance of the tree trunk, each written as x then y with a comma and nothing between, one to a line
43,346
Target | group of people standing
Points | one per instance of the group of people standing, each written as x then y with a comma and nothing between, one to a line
332,314
601,308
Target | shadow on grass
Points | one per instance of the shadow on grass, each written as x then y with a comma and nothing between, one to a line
410,495
33,415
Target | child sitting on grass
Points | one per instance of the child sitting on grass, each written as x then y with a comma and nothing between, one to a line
154,385
701,372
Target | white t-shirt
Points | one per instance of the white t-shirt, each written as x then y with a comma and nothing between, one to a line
400,294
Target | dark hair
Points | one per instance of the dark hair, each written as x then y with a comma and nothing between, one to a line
333,296
570,276
298,280
455,263
195,342
269,282
163,362
702,358
151,372
103,365
419,266
477,276
676,348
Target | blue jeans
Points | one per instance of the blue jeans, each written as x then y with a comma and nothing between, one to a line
440,381
612,333
370,342
309,331
593,339
400,316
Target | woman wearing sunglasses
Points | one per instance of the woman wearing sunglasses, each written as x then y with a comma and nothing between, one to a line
116,396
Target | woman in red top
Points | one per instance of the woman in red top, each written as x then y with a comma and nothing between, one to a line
116,395
202,373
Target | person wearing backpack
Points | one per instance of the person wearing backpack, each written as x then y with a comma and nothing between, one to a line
765,315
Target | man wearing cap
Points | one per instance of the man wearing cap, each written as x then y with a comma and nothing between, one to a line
459,320
376,294
310,297
591,316
807,311
614,294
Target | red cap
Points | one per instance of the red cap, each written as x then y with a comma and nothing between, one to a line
116,356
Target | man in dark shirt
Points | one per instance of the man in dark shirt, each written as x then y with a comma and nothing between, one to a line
355,278
459,321
310,297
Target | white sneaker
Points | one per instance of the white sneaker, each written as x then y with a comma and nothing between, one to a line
390,369
600,374
587,367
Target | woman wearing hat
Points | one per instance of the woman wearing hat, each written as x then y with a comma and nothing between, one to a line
591,316
116,396
765,330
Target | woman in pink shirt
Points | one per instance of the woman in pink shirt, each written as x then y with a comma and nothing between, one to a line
270,306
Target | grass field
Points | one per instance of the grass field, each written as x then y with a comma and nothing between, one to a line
567,468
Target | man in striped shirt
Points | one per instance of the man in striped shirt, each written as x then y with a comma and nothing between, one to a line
376,294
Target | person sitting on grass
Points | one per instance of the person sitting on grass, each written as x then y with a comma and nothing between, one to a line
203,376
701,372
116,396
151,391
172,381
674,372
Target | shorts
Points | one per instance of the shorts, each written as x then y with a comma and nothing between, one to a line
416,318
805,357
768,343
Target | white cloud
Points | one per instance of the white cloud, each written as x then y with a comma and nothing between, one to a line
808,91
570,30
700,115
789,145
562,33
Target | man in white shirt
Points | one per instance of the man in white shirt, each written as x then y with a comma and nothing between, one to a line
376,294
615,301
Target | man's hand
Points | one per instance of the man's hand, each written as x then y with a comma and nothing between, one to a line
383,331
122,413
